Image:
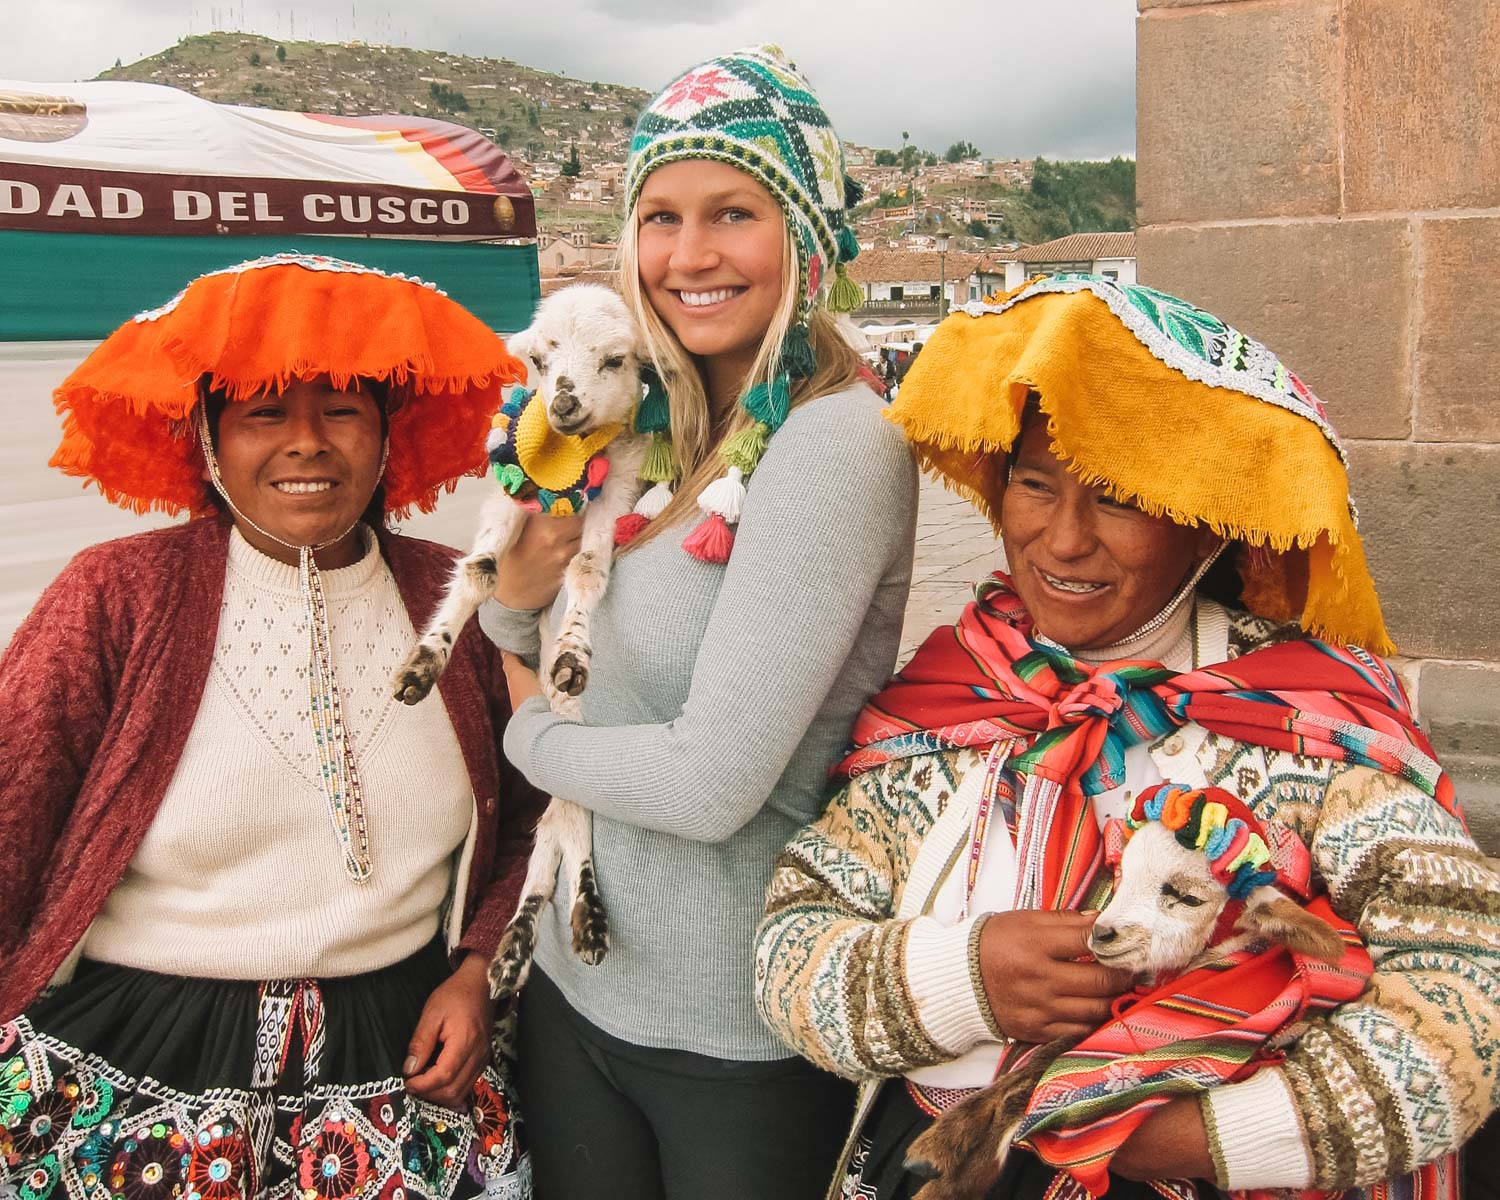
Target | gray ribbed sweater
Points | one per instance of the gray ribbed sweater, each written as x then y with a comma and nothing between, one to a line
718,698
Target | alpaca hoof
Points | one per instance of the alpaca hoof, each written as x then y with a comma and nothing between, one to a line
589,921
570,673
415,679
512,961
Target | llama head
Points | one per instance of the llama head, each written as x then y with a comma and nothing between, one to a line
1189,855
583,355
1164,907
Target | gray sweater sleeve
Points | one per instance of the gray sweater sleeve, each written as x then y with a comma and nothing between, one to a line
829,514
515,629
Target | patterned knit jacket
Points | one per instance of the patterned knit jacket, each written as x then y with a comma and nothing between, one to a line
1400,1077
105,677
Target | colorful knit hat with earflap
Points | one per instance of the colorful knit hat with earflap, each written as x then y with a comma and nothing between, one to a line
1215,822
754,111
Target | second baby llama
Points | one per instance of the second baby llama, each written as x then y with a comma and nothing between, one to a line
566,445
1188,857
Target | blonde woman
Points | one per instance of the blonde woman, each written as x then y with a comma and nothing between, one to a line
758,601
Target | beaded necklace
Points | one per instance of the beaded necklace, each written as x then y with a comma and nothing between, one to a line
337,769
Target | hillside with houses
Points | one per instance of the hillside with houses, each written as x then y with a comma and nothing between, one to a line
936,228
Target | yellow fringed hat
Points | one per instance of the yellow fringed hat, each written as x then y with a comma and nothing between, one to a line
1172,410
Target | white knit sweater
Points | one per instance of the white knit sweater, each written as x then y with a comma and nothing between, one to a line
240,875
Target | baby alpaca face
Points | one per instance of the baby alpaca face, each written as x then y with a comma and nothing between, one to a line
583,357
1164,910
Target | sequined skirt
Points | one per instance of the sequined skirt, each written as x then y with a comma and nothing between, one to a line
127,1085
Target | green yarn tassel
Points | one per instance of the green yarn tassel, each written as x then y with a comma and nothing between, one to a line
854,191
653,415
848,245
745,448
769,405
845,296
659,466
797,357
510,477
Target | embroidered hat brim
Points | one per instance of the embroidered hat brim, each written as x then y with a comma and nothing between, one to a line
1174,411
256,327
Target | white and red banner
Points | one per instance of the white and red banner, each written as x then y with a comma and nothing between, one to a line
108,157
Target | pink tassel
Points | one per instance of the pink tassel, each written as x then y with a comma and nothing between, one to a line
628,527
712,541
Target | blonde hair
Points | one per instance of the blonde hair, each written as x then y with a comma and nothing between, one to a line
693,444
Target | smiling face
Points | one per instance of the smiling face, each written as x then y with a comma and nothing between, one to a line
711,246
303,466
1089,569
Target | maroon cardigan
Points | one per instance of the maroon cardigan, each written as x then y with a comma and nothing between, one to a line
104,679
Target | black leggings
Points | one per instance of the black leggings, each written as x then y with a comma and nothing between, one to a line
609,1118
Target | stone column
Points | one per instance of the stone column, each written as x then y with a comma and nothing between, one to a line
1325,175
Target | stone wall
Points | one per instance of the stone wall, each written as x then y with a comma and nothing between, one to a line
1325,175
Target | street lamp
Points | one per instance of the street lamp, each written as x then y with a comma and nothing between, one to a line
942,245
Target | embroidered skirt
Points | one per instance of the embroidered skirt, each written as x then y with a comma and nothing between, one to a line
127,1085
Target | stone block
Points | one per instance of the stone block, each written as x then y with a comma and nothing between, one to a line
1237,111
1420,96
1458,348
1430,520
1331,298
1460,708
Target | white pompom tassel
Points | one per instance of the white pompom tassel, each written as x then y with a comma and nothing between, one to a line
654,501
495,440
725,496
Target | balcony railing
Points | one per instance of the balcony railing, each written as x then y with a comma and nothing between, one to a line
919,306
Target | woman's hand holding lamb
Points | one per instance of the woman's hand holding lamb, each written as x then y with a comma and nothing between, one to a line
530,575
1036,985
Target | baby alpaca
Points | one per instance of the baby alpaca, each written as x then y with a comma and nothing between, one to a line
584,360
1159,923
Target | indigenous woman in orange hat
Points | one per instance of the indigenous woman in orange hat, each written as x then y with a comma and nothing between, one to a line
250,899
1186,603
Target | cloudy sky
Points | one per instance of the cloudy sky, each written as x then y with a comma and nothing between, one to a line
1016,77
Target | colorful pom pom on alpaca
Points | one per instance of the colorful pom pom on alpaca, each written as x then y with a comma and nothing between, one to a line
1218,824
541,469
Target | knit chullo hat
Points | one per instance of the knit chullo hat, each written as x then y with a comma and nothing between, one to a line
1173,410
754,111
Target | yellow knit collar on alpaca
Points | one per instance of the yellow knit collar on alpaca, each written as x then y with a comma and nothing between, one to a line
543,470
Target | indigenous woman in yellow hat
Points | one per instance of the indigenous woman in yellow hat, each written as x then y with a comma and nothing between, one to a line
1186,631
757,603
249,898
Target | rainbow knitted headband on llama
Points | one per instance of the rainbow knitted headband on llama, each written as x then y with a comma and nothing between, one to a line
754,111
1216,823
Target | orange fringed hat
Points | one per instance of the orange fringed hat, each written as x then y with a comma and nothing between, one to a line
1174,411
253,328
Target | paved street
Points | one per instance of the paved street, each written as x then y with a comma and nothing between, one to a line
955,549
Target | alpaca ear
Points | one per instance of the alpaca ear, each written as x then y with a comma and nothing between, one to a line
1277,918
520,344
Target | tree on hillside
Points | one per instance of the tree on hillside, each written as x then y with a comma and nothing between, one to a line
977,228
255,58
960,151
572,169
883,158
281,54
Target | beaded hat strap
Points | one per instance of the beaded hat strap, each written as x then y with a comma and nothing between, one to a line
337,769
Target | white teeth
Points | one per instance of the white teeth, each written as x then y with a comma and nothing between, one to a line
699,299
302,489
1066,585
